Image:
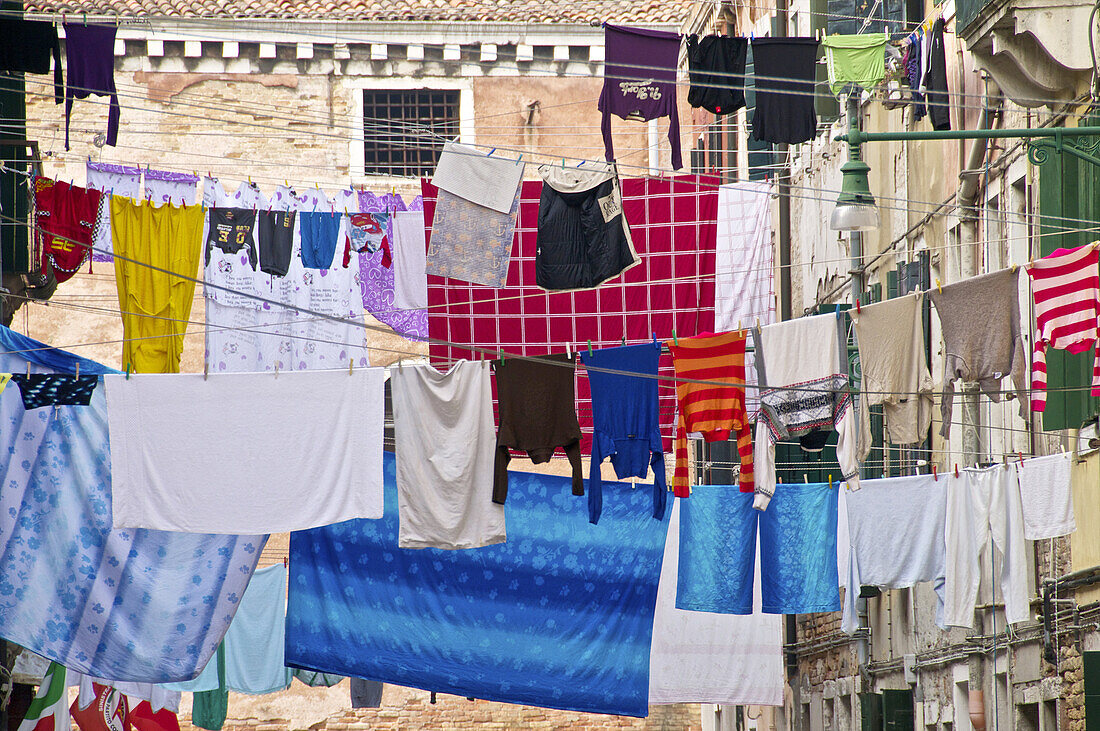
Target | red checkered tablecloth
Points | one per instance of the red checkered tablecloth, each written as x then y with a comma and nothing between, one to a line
672,223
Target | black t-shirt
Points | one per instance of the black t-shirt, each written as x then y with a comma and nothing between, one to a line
716,67
231,231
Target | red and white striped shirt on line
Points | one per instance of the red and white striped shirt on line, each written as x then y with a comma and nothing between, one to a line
1066,288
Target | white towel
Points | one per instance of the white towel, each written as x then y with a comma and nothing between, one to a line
479,178
1046,496
245,453
702,657
410,282
896,529
446,443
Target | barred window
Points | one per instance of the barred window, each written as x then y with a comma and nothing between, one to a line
397,126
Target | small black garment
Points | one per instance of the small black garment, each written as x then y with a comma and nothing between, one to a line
583,239
935,80
28,46
716,68
366,693
786,74
48,389
276,241
231,231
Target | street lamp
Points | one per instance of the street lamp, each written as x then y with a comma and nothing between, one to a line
855,208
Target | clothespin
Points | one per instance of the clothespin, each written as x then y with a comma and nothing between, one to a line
589,348
935,477
285,562
490,153
85,20
859,309
830,481
624,344
77,374
1021,456
519,160
29,370
205,369
563,163
806,478
580,163
250,180
939,286
568,352
654,337
351,365
127,370
276,369
675,341
956,469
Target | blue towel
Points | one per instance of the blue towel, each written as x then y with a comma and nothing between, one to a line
319,238
254,643
560,616
798,572
717,550
138,605
797,537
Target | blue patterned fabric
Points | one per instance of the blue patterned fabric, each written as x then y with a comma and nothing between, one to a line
797,538
560,616
136,605
717,550
798,572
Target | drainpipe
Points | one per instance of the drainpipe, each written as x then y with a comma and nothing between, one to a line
855,238
968,248
783,185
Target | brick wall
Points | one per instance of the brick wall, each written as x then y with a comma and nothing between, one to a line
409,709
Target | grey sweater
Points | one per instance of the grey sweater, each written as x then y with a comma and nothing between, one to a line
981,331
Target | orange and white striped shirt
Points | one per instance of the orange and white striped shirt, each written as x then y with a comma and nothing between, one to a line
713,410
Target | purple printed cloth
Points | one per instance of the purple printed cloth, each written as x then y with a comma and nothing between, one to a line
377,281
90,63
640,81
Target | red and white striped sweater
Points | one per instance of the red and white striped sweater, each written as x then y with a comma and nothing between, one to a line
1066,288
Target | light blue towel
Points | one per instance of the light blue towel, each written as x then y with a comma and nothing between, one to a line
254,643
719,532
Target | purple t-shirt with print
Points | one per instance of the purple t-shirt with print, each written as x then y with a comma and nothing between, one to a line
640,81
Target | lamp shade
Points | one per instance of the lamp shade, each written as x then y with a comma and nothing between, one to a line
855,206
854,217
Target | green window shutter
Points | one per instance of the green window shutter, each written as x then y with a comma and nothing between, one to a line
897,710
870,712
1067,190
1092,689
14,235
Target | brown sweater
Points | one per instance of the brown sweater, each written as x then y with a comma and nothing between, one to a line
537,414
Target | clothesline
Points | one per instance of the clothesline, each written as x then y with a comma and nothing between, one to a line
492,352
814,194
138,93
